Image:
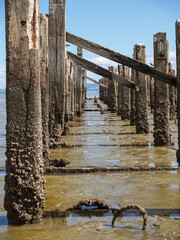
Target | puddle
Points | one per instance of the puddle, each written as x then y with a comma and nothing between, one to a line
152,165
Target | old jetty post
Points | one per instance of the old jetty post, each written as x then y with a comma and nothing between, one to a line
79,83
125,115
112,92
24,181
172,94
151,93
57,39
161,97
178,83
142,125
133,106
44,77
120,93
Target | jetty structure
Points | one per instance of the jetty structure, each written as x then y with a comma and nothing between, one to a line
46,89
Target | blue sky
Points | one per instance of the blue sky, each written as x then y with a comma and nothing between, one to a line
116,24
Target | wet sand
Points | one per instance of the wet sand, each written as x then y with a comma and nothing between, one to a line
105,140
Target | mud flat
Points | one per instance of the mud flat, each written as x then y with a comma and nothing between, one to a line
103,140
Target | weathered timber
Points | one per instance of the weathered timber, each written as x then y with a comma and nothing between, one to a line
84,87
112,92
71,85
178,83
151,93
83,170
142,125
99,83
101,71
44,77
67,95
161,99
172,94
125,115
57,38
79,83
119,58
120,89
133,106
24,181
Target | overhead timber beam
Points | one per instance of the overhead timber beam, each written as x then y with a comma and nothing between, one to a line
100,84
119,58
101,71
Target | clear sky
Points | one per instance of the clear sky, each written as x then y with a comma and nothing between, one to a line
116,24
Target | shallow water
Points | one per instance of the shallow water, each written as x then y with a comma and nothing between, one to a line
105,140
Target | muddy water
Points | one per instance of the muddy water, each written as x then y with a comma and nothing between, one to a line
105,140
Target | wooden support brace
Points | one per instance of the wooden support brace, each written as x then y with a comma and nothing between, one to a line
100,84
101,71
119,58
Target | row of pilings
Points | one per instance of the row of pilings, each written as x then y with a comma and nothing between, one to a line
149,93
46,88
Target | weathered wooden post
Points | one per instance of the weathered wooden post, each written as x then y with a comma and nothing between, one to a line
133,106
24,181
105,82
67,97
120,91
161,112
44,77
172,94
72,87
125,115
178,83
151,93
79,83
142,125
84,87
57,39
113,92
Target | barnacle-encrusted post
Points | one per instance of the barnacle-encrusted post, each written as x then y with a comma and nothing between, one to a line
24,181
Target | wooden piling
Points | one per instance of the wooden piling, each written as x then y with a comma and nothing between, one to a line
142,125
172,94
57,39
132,105
125,115
79,84
151,93
44,77
178,83
24,182
120,91
161,101
112,91
84,87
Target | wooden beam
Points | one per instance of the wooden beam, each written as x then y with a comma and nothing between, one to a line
119,58
101,71
100,84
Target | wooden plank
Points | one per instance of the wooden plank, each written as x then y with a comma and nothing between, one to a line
119,58
101,71
100,84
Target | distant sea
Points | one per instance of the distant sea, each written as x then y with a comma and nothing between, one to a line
92,90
